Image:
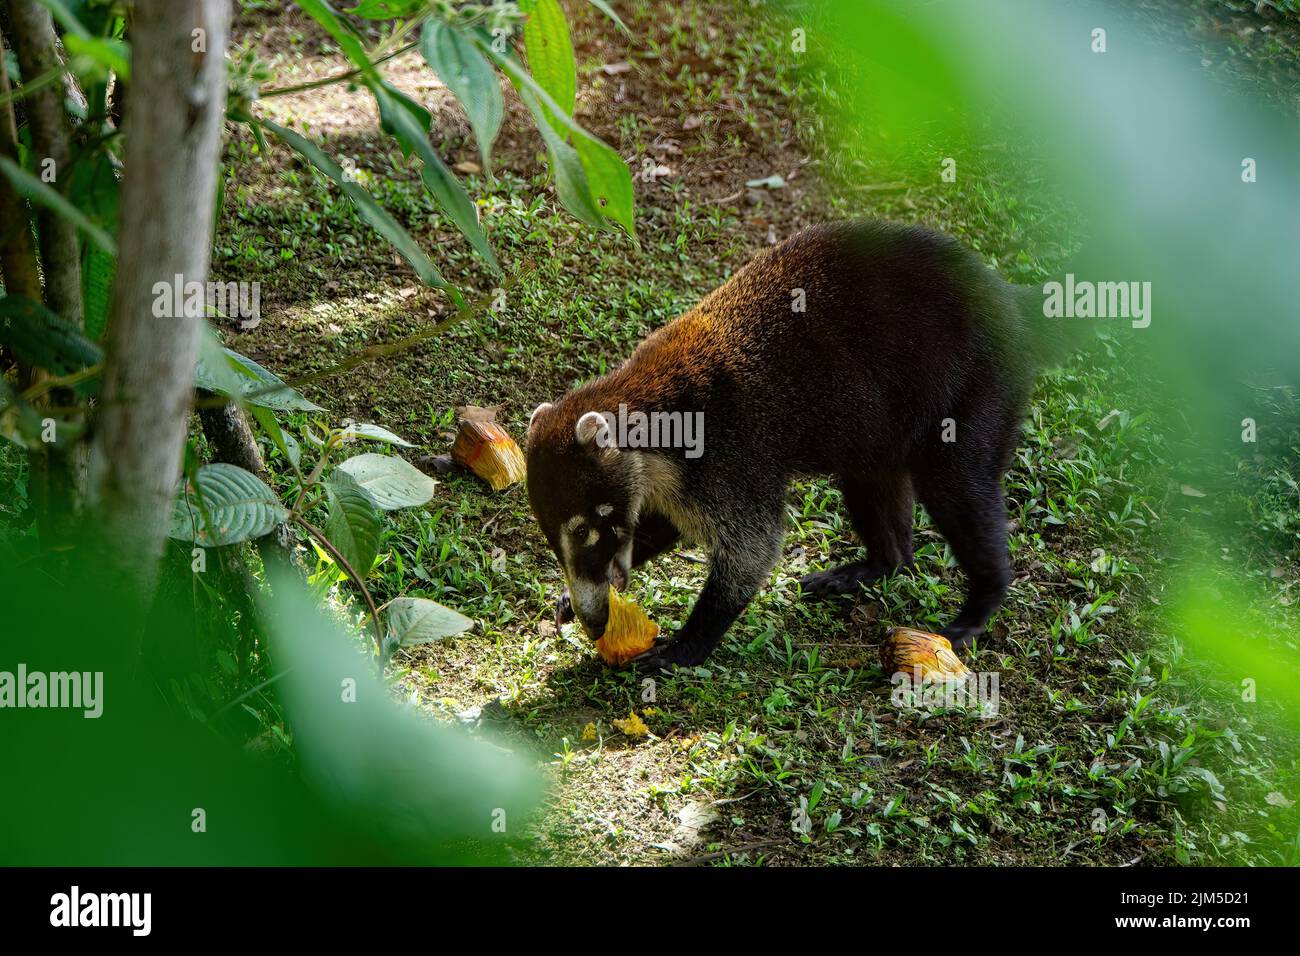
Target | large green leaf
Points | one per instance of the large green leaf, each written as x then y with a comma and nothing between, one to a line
609,181
409,122
95,191
267,389
471,79
419,621
229,505
43,340
571,184
353,525
226,372
427,784
31,188
550,56
373,213
347,41
391,482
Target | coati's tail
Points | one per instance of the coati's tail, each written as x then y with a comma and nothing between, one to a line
1051,339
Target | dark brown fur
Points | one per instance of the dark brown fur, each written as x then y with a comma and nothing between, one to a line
904,329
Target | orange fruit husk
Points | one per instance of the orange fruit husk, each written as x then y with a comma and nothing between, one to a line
628,632
486,449
920,653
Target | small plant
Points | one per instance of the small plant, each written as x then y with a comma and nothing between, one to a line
222,504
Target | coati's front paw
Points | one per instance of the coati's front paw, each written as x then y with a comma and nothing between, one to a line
846,579
661,658
563,610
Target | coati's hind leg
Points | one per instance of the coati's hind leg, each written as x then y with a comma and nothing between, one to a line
964,497
880,508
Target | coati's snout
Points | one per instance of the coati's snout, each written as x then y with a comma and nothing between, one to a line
583,501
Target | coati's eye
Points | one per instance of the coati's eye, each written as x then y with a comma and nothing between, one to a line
580,532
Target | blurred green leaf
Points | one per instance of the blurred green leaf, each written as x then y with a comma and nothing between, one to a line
43,340
550,57
226,372
606,9
106,53
30,187
471,79
370,782
401,116
386,9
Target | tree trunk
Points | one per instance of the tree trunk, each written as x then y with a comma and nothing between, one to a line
52,472
36,47
17,249
172,147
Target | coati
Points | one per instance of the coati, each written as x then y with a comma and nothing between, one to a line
888,356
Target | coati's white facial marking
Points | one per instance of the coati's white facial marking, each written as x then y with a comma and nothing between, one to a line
576,529
604,510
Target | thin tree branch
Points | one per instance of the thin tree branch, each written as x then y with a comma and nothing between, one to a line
337,78
18,263
36,46
173,141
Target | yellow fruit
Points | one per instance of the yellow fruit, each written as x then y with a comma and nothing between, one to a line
919,653
486,449
632,725
589,731
628,632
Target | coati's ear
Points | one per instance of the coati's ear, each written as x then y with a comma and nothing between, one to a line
539,410
592,432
